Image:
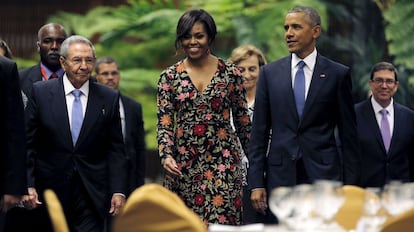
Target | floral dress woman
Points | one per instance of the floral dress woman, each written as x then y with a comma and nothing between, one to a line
194,128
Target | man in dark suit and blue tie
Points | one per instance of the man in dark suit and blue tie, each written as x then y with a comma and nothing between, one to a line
386,141
89,173
13,184
107,73
303,146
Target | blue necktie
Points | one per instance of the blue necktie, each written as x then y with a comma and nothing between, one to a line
299,88
385,129
77,116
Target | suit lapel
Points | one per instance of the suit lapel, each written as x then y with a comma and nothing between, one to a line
398,127
371,121
93,110
36,74
285,85
317,81
59,110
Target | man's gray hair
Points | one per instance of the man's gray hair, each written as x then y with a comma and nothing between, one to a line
64,48
312,14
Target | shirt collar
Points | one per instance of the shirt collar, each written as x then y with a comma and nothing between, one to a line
310,60
68,87
377,107
48,72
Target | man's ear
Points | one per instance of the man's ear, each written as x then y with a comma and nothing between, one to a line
316,31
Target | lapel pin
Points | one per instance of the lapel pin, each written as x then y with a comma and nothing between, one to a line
322,75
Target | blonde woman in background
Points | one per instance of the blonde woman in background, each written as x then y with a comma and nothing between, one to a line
248,59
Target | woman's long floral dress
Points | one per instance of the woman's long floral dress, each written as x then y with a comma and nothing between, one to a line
194,128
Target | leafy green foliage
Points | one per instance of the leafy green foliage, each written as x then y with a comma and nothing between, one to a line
140,84
140,36
400,25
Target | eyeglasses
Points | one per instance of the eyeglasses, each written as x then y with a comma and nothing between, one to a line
79,60
113,73
379,81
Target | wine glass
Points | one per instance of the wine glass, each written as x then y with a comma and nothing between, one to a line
329,198
303,213
280,203
393,198
372,216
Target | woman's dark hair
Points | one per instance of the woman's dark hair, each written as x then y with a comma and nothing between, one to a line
187,21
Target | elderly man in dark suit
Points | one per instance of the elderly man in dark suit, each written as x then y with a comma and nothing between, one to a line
75,144
49,39
388,149
107,73
302,98
13,183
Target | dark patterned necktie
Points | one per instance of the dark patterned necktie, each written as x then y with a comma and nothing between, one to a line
53,76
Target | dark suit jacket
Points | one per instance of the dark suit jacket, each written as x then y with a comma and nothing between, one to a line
134,142
98,156
329,104
380,167
12,134
28,76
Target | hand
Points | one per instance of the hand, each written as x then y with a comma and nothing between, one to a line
8,201
31,201
117,202
171,167
258,198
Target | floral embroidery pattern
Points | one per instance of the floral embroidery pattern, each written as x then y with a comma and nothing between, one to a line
194,128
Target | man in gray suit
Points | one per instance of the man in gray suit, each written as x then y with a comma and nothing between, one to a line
303,146
385,159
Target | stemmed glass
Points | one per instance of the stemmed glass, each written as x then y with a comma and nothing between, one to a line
393,198
303,213
281,204
372,215
329,198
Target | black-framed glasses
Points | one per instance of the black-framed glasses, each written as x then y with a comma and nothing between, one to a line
380,81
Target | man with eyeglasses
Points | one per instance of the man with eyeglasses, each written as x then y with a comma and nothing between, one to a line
130,111
107,73
75,144
385,131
